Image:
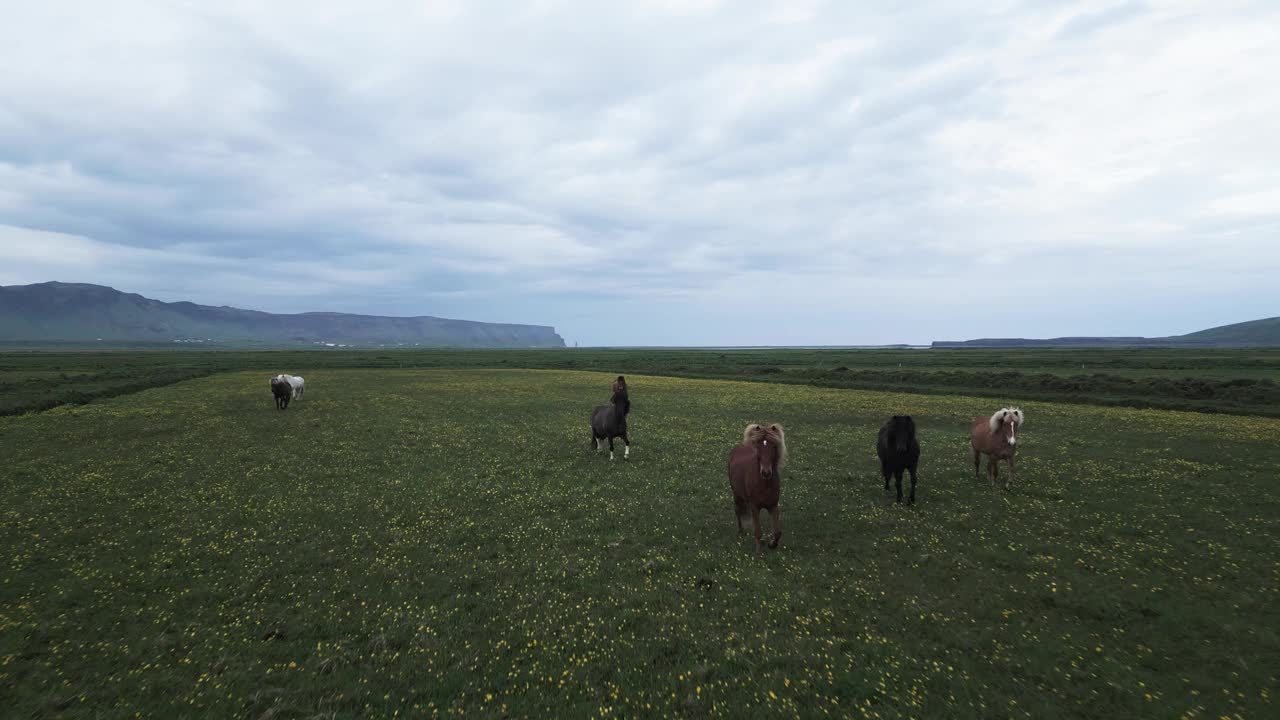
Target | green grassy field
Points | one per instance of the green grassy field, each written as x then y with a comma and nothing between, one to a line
443,542
1228,381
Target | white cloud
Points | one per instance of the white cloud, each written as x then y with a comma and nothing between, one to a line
822,154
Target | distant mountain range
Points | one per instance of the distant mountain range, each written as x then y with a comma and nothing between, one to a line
1255,333
68,313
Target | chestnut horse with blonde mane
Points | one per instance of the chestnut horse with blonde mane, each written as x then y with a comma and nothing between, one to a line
997,438
755,475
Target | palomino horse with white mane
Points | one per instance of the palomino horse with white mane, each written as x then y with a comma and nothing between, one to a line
755,477
997,438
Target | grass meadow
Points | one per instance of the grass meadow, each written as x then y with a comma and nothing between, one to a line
422,543
1235,381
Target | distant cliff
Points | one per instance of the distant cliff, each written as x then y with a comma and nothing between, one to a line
63,312
1255,333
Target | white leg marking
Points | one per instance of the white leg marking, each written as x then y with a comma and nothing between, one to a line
626,453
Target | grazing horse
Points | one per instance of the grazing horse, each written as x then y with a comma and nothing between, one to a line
898,450
610,421
282,391
997,437
755,476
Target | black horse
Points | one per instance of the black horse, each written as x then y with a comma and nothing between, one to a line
898,451
610,421
282,391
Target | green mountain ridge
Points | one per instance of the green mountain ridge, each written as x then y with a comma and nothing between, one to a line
55,312
1263,333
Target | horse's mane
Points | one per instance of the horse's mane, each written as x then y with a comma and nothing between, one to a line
999,416
620,397
755,432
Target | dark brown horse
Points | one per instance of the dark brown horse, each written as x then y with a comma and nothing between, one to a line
610,421
997,438
282,391
755,476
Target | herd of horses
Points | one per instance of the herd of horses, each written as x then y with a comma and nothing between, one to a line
755,464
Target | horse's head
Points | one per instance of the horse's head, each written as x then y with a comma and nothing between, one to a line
902,430
1006,423
771,448
621,401
767,454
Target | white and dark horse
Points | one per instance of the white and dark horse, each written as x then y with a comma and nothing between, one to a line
295,384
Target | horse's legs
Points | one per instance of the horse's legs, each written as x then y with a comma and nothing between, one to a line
912,499
977,464
775,520
884,470
897,478
993,471
610,447
626,450
739,509
755,527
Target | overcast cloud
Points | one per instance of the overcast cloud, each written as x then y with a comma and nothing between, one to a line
680,172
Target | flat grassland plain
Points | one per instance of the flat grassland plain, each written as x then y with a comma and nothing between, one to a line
444,542
1204,380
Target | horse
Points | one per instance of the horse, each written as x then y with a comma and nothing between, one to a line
899,450
755,476
610,421
996,437
295,381
619,385
282,391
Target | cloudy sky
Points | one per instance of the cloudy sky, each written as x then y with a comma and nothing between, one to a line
676,172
